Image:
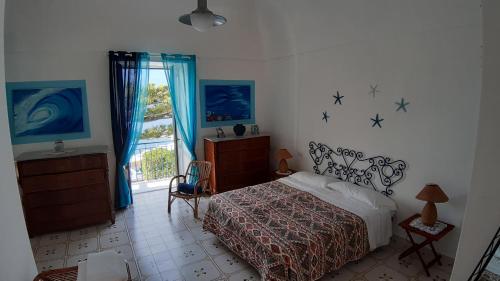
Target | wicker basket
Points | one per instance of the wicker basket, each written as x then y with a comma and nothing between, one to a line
66,274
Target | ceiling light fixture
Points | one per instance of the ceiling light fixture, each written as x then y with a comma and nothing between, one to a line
202,18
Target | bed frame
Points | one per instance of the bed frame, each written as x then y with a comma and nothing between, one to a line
378,172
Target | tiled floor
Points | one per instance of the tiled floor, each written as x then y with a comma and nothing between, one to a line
175,247
149,185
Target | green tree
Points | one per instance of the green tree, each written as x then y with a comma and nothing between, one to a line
158,132
159,103
158,163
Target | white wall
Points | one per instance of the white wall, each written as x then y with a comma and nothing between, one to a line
16,258
44,43
425,51
299,53
482,216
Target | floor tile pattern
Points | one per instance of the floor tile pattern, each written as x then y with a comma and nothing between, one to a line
162,247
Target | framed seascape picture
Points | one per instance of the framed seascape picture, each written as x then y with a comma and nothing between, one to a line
227,102
47,111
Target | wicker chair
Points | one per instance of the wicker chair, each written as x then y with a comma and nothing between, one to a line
194,185
63,274
66,274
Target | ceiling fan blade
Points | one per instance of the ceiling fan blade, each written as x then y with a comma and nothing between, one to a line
185,19
219,20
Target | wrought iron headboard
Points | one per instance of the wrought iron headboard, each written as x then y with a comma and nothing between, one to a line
378,172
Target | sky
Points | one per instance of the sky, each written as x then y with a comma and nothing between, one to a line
157,76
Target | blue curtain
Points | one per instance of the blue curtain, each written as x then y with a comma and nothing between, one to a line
128,79
180,71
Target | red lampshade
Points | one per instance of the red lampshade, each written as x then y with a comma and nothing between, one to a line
432,193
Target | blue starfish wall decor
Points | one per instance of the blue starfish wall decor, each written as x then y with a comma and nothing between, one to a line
325,116
402,105
374,90
338,98
377,121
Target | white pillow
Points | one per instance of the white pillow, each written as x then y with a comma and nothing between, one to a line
364,194
309,178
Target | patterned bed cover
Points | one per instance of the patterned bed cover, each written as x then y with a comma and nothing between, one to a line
285,233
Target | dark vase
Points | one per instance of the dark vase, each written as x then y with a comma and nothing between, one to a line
239,130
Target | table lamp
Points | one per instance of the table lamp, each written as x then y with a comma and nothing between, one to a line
283,154
431,193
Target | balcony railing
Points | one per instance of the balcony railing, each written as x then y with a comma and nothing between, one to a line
153,161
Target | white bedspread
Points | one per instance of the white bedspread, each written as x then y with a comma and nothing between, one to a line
378,221
494,264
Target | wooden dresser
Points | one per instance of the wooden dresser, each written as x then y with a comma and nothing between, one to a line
65,191
237,161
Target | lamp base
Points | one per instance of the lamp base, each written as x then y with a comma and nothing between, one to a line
429,214
283,167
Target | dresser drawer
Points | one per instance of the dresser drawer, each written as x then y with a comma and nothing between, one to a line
238,180
62,165
244,144
37,228
68,212
63,181
241,161
65,196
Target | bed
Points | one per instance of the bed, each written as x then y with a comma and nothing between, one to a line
292,230
494,264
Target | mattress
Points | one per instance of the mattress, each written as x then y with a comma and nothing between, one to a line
378,221
286,233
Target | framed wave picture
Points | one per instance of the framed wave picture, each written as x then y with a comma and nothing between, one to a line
47,111
227,102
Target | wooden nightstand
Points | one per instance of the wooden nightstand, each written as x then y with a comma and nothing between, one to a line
275,175
429,238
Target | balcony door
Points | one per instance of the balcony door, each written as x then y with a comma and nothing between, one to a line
156,159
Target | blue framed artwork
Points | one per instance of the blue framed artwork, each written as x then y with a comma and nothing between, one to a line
47,111
227,102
